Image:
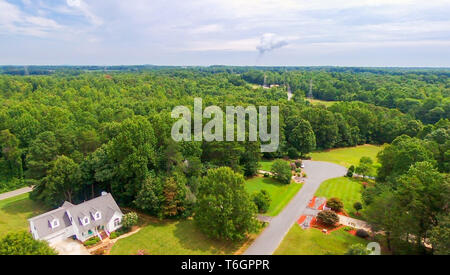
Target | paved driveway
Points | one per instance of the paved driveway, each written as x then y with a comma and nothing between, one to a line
70,247
270,239
14,193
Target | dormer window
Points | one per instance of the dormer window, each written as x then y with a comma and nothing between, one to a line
54,223
97,215
85,220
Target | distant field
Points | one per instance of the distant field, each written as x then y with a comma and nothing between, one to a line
15,211
280,193
173,238
348,156
346,189
313,242
326,103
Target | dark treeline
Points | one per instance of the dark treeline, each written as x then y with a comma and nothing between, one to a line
72,135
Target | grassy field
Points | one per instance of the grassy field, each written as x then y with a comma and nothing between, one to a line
313,242
348,156
317,101
173,238
347,189
280,193
266,165
15,211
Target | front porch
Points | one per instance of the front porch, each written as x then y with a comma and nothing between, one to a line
98,231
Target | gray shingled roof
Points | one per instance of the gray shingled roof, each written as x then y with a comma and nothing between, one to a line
105,204
42,222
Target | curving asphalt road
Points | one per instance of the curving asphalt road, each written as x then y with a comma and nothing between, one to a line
271,237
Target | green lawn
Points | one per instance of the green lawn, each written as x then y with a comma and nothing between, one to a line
347,189
280,193
348,156
318,101
266,165
312,241
173,238
15,211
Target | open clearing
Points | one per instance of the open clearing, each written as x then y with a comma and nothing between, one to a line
280,193
313,242
15,211
348,156
173,238
266,165
346,189
323,102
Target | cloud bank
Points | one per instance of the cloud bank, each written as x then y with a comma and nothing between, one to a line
204,32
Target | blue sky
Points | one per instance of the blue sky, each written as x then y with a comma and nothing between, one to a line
230,32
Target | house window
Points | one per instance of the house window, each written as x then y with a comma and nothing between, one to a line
97,216
55,223
85,220
116,222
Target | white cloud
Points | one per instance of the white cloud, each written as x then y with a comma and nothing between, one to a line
13,20
74,3
85,9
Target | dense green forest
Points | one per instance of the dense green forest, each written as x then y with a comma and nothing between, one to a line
75,131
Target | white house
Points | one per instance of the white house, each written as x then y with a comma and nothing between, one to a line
82,221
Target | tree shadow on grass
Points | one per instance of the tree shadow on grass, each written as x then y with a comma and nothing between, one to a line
24,206
273,182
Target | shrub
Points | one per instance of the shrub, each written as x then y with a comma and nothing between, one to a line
262,200
119,232
266,175
292,153
362,233
357,206
293,167
348,228
282,171
298,163
328,217
357,249
350,171
335,204
92,241
130,219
